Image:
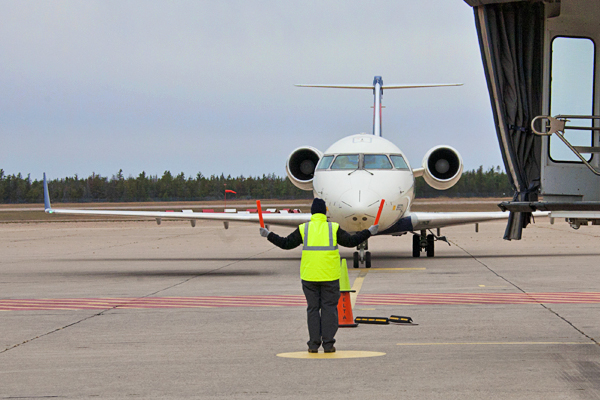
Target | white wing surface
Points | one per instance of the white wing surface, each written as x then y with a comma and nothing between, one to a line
289,219
430,220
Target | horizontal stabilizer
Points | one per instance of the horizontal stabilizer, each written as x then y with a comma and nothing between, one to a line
378,87
412,86
338,86
424,85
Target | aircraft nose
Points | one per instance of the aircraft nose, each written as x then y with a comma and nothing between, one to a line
361,208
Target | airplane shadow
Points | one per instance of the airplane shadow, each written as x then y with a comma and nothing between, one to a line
377,255
165,274
392,256
172,259
233,270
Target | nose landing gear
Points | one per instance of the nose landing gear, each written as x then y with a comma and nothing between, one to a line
362,256
426,242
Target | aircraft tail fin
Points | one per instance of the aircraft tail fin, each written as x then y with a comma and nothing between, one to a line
377,87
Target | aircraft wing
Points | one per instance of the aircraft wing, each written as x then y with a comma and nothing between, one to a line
417,221
430,220
289,219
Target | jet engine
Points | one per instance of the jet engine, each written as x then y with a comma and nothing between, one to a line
442,167
301,165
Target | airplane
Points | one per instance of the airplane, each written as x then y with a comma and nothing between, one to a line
352,176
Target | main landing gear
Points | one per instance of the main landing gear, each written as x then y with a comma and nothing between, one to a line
362,256
426,242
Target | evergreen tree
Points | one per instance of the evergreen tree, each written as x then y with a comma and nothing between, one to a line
17,189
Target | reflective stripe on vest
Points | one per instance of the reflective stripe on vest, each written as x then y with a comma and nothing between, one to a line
320,257
319,248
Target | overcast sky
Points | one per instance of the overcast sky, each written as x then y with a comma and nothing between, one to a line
207,86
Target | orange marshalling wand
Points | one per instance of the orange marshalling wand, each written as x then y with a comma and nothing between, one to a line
260,217
379,212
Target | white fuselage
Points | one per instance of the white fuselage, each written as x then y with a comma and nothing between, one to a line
371,169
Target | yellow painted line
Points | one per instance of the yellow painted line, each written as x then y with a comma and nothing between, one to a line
356,286
395,269
337,354
490,343
358,282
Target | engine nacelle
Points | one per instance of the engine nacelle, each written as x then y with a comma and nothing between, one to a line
442,167
301,165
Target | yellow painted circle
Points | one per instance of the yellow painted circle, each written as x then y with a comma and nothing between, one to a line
337,354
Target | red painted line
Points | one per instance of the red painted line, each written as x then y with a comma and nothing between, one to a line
420,299
477,298
152,302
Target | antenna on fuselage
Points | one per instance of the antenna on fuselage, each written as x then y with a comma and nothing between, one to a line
377,88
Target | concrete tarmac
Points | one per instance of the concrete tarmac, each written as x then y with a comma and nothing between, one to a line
135,310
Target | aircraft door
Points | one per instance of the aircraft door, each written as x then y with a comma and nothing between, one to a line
569,90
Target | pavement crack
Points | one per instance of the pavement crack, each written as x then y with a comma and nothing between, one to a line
51,332
529,295
132,300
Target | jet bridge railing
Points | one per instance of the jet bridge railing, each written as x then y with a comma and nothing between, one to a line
557,126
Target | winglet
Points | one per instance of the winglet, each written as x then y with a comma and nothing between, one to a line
47,206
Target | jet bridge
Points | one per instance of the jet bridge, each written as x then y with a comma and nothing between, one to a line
540,60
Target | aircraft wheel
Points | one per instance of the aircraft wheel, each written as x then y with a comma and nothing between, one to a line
356,259
430,245
368,259
416,245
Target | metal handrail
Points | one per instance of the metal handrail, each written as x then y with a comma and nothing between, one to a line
557,125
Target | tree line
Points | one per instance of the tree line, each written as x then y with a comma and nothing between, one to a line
475,183
95,188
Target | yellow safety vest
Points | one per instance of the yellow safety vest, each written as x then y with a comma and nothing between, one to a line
320,254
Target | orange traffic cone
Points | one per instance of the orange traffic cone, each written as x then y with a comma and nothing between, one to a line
345,318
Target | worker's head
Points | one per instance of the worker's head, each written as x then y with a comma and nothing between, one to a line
318,207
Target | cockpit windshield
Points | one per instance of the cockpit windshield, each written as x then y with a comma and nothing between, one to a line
362,161
376,161
346,161
398,161
325,162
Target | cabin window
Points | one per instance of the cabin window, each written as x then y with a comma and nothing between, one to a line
325,162
346,161
376,161
572,91
398,161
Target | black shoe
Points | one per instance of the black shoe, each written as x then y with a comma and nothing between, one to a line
331,350
313,350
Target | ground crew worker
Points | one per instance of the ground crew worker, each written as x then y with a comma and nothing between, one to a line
320,270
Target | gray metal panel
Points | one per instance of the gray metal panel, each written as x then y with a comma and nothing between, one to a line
561,180
528,206
475,3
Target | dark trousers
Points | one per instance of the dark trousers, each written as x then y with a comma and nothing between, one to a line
322,315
